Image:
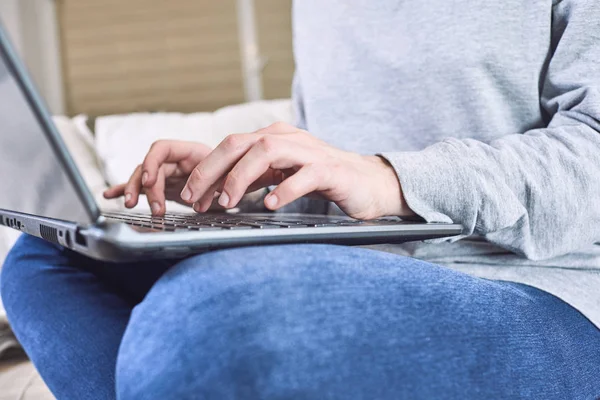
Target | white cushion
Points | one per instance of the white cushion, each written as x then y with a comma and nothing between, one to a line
122,141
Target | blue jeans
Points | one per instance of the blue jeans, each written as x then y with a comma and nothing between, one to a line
291,322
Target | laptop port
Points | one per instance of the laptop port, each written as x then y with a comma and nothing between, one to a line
68,239
80,239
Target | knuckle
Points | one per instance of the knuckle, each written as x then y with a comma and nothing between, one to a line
155,149
156,145
134,176
197,175
231,142
232,184
147,163
233,180
268,143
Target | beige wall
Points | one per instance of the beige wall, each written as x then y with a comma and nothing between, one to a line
160,55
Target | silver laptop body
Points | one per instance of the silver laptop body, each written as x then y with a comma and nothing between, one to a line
42,193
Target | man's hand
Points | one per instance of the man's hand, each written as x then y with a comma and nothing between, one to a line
365,187
162,175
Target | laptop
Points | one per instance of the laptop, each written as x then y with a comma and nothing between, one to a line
42,193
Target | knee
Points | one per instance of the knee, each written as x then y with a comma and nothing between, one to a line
216,325
233,323
25,263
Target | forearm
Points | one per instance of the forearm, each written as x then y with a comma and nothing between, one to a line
535,194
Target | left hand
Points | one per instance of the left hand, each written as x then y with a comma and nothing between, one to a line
364,187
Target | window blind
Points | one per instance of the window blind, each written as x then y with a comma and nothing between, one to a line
160,55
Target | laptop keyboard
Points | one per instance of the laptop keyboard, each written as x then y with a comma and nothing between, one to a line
223,221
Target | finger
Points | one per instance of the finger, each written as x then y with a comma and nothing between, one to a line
269,153
308,179
269,178
170,151
222,159
264,181
156,194
115,191
207,200
133,188
210,202
216,165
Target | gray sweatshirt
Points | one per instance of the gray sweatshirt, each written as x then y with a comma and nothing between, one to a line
489,112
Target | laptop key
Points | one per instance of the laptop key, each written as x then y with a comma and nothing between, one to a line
319,225
232,227
260,226
203,228
161,227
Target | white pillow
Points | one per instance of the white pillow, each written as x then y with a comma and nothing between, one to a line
122,141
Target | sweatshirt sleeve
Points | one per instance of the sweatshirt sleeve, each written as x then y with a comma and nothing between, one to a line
536,193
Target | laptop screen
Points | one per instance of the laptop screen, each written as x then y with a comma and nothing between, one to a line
33,176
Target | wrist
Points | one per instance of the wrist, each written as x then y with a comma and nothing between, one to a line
389,190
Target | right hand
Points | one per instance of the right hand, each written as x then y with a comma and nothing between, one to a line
162,175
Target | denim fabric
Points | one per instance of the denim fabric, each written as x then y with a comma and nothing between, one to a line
292,322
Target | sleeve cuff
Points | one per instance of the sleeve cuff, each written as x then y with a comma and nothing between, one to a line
436,185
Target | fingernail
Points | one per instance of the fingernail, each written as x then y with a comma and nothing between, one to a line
196,207
127,197
144,178
186,194
224,200
271,201
155,208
